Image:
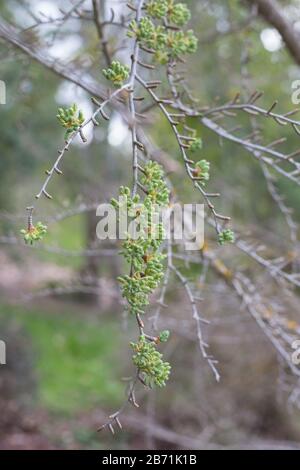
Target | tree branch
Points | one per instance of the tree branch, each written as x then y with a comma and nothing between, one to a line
270,11
10,34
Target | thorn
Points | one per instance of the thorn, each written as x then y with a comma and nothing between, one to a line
255,96
228,113
277,142
272,107
147,49
94,121
164,101
118,422
236,98
95,101
223,217
280,121
131,7
82,136
154,82
47,194
104,115
177,115
111,428
184,146
185,137
294,154
141,169
291,113
58,171
151,86
146,66
139,145
296,129
132,400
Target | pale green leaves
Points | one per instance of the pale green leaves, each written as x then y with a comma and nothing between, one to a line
117,73
150,363
226,236
34,233
70,118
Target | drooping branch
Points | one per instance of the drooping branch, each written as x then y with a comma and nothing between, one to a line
175,111
162,103
55,168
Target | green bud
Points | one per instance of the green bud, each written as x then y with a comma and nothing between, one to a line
226,236
164,336
179,13
116,73
157,8
70,118
201,171
196,145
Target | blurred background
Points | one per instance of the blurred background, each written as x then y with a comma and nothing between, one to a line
61,314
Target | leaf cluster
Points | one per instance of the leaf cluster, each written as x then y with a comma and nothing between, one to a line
70,118
149,361
34,233
166,43
117,73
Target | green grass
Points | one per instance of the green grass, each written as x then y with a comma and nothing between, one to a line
75,359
